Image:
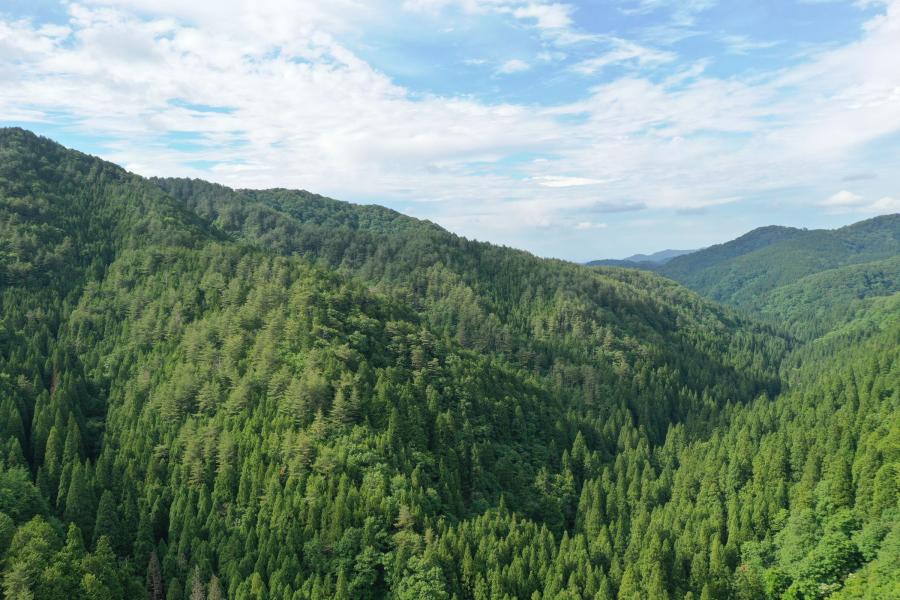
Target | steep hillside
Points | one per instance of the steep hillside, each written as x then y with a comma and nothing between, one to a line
553,318
65,215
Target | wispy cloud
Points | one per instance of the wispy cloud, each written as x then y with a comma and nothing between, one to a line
514,65
560,181
622,51
616,207
552,16
552,19
681,12
587,225
743,44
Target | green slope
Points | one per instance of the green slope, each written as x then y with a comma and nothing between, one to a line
717,255
754,264
553,318
817,303
805,281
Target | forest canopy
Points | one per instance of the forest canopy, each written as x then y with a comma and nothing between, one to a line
212,393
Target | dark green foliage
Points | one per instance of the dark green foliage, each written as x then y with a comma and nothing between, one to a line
208,393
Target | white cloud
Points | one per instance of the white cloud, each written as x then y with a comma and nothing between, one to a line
843,198
682,12
552,19
546,16
622,51
513,66
742,44
288,105
425,5
548,56
559,181
886,205
845,201
586,225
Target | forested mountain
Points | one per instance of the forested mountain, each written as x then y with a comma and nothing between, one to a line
809,280
216,393
549,317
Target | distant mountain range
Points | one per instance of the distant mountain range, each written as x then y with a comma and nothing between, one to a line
639,260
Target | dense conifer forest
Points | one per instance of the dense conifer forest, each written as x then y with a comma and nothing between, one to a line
807,281
211,393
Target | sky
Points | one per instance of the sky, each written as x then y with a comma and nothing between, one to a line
577,130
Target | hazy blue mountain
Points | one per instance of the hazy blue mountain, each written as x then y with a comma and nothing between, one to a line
661,257
648,261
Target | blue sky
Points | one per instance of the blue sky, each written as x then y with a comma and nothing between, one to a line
571,129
